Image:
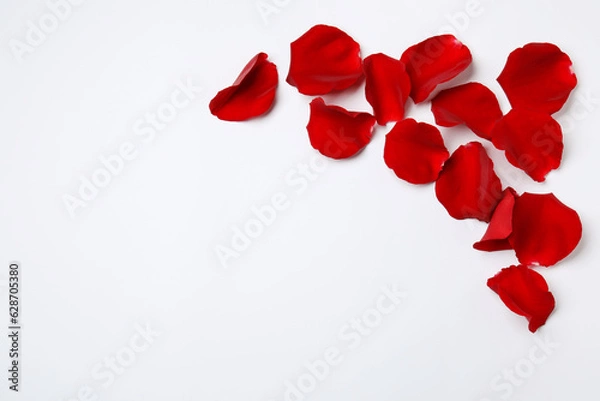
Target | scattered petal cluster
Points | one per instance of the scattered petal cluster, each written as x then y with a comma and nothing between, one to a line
434,61
525,292
471,104
323,60
537,81
415,151
251,95
538,77
468,186
337,132
387,87
531,140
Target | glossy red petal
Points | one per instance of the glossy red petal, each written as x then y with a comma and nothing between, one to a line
532,141
538,76
468,187
545,231
323,60
251,95
525,292
434,61
415,151
337,132
472,104
387,87
500,228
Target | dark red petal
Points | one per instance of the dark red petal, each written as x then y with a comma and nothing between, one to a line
538,76
323,60
500,228
468,187
472,104
415,151
525,292
387,87
532,141
337,132
251,94
545,231
434,61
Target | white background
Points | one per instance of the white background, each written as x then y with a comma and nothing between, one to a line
143,251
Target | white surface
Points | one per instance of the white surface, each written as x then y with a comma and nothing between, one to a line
143,251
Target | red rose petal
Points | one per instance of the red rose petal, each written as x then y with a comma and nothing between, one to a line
323,60
468,187
538,76
545,231
472,104
532,141
387,87
415,151
500,228
434,61
337,132
525,292
251,95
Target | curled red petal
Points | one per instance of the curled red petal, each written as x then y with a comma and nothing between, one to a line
472,104
387,87
538,76
415,151
525,292
532,141
468,187
545,230
500,228
434,61
251,95
337,132
323,60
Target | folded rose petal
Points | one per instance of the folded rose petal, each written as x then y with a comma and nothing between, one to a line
472,104
532,141
500,228
468,187
387,86
545,230
323,60
538,76
337,132
434,61
251,94
415,151
525,292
